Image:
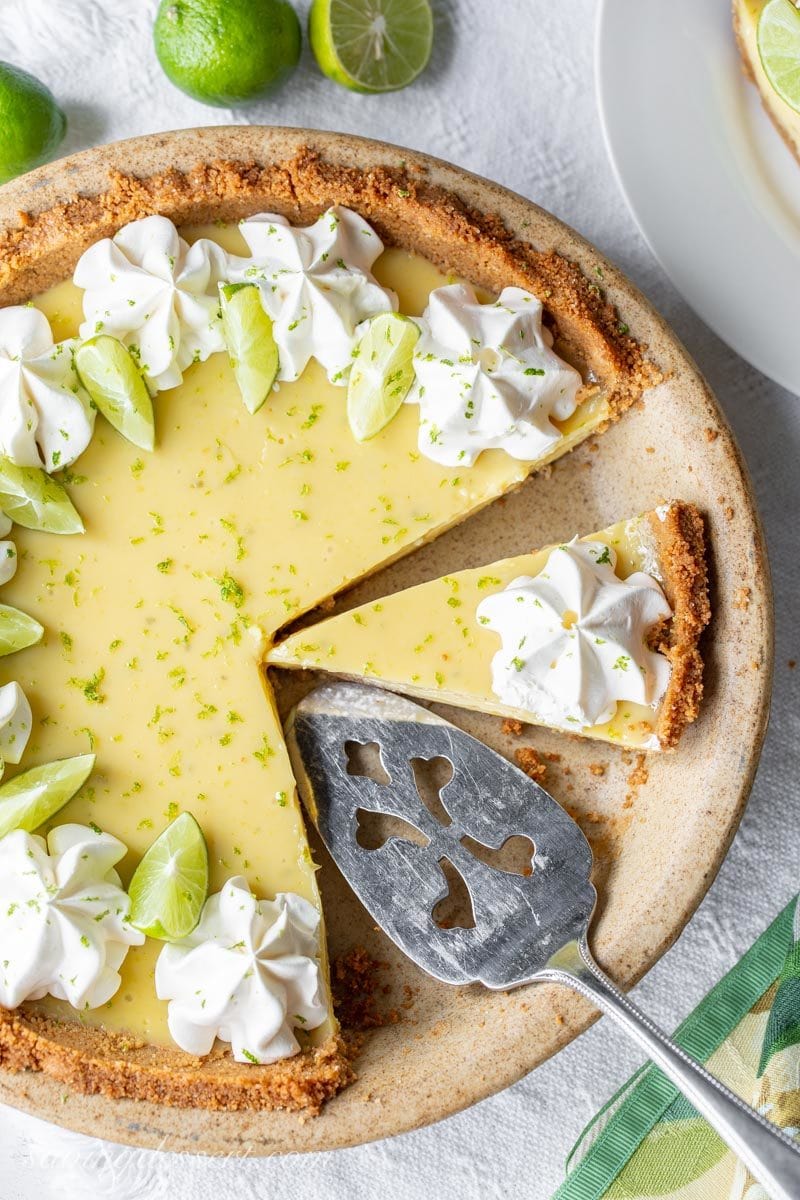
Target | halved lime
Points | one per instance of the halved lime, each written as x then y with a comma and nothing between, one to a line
778,38
29,496
382,373
170,885
17,630
113,381
371,45
34,796
247,330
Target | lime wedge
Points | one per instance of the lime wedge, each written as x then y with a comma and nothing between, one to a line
170,885
247,330
17,630
34,796
29,496
778,39
371,45
114,383
382,373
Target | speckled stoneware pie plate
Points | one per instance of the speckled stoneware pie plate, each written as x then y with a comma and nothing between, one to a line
658,842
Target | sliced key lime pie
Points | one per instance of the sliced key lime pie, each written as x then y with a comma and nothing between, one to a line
597,637
205,433
768,36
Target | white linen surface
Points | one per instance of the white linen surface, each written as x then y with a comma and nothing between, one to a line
510,95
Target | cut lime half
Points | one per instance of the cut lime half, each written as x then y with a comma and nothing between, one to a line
382,373
34,796
778,38
371,45
247,330
170,885
116,387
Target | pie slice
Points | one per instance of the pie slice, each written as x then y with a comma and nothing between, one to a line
745,22
602,634
194,557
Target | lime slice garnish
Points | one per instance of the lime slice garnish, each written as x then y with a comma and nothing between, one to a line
371,45
170,885
114,383
382,373
778,38
17,630
31,497
34,796
247,330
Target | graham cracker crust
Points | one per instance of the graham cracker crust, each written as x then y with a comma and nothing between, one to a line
94,1061
680,544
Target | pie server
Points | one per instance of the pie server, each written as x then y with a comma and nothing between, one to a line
528,928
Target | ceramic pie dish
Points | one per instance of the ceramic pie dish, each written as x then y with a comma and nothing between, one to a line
449,1049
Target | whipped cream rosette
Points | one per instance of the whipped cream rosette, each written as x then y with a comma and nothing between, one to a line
248,974
157,294
45,415
316,284
8,551
15,723
488,378
574,638
63,917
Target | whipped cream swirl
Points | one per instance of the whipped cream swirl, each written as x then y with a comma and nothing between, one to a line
487,378
574,638
46,418
8,551
157,294
316,284
15,723
63,917
247,975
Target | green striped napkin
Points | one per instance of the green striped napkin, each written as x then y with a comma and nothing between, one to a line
649,1142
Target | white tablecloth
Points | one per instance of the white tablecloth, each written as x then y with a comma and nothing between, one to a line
510,95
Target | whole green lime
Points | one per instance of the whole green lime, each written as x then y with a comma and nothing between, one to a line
31,123
227,52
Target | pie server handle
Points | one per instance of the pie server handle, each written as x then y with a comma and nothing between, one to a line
770,1155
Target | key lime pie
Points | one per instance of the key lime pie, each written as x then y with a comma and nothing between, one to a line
206,433
597,637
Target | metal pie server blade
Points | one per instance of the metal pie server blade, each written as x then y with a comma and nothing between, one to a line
527,927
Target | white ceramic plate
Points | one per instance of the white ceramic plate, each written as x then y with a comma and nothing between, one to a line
713,188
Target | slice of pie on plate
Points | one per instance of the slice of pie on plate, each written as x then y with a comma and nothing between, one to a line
597,637
786,120
153,621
